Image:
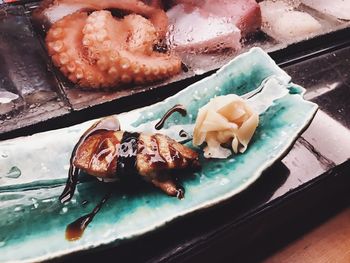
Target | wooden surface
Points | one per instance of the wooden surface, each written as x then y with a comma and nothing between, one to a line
329,242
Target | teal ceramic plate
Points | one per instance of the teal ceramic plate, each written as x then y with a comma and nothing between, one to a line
33,169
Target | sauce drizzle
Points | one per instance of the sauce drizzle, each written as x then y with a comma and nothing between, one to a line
76,229
177,108
180,192
126,162
108,124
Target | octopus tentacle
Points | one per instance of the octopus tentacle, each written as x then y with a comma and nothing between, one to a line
64,46
99,50
99,45
156,15
149,69
133,37
143,34
102,46
51,11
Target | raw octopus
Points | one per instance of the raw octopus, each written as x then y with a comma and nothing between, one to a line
101,51
50,11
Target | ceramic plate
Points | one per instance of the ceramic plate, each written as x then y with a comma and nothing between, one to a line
33,169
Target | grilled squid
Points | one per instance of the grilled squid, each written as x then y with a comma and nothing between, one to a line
108,153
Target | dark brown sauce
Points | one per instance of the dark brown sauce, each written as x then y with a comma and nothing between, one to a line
177,108
127,152
108,124
183,134
180,192
76,229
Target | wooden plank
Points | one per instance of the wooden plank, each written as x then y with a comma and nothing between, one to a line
329,242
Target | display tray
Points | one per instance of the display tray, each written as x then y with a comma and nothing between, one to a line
39,97
309,182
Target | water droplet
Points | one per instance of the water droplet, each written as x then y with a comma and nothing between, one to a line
18,209
4,155
35,203
196,97
224,181
64,210
14,172
44,168
49,200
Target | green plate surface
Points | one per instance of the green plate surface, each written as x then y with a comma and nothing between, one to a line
33,169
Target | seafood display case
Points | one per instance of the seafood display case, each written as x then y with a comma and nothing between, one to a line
49,97
307,183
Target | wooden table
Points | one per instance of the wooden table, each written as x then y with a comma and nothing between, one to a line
329,242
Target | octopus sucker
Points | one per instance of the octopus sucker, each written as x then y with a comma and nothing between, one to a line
163,65
158,68
98,42
67,54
